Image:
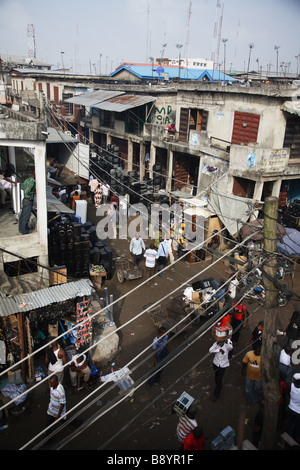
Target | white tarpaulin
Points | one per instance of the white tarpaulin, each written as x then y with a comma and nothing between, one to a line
232,210
79,160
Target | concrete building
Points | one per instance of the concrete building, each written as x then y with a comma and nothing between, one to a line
244,137
23,145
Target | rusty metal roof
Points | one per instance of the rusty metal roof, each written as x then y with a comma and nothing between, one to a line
13,304
93,98
124,102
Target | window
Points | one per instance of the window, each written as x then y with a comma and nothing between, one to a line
245,128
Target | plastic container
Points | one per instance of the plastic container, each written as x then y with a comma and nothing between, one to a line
81,210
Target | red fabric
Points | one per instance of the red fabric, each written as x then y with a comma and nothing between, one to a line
190,443
225,320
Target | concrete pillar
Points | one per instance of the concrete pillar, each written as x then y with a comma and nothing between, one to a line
170,163
258,189
152,159
276,187
130,156
41,201
142,161
199,176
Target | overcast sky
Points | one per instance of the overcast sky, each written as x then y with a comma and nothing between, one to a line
133,30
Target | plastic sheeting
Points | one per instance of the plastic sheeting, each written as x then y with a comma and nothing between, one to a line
232,210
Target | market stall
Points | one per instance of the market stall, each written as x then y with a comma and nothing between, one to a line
27,320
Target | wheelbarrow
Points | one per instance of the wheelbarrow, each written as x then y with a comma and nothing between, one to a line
126,269
161,316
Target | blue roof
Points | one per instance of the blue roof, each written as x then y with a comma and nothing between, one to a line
145,72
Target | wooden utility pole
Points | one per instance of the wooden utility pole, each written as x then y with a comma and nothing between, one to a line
270,347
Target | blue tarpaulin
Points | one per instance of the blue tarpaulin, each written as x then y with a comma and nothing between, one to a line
290,243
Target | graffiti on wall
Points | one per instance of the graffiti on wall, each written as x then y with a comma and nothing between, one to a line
164,115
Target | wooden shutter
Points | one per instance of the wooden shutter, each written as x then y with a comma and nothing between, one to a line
56,94
184,124
245,128
181,171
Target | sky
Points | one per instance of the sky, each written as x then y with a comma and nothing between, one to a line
96,36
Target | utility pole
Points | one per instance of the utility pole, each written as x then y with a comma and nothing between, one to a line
270,347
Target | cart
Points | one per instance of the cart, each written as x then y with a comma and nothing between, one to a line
126,269
203,303
161,316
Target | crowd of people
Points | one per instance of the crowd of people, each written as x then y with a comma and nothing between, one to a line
189,433
157,257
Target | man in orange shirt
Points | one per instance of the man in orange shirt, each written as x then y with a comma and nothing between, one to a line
252,369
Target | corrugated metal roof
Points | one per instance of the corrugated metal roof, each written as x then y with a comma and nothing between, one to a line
58,137
44,297
94,97
122,103
54,204
147,72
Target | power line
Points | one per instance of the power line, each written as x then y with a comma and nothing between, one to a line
219,316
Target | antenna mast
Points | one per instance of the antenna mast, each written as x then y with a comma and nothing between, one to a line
187,40
147,38
219,35
31,41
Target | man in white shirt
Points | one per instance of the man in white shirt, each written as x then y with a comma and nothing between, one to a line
93,184
150,260
105,192
79,367
163,254
293,411
220,363
285,368
136,248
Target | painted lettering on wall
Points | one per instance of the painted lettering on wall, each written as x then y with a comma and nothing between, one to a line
164,115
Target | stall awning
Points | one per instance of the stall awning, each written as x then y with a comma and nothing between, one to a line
124,102
13,304
55,205
58,137
93,98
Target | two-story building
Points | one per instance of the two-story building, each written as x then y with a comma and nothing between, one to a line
245,139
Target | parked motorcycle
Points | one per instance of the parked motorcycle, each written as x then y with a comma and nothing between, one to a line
257,292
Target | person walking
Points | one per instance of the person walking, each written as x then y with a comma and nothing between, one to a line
161,351
57,404
136,248
220,363
93,184
162,256
257,334
251,369
55,360
286,371
29,188
238,321
97,195
293,411
150,260
187,423
169,242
